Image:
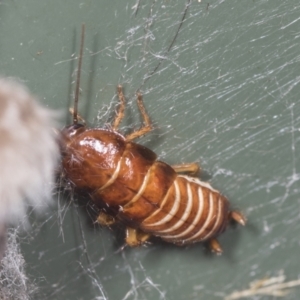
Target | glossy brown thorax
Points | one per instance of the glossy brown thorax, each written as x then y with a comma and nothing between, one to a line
91,159
90,156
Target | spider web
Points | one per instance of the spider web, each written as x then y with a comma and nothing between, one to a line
225,95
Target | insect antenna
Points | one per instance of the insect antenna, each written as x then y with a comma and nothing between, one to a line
75,110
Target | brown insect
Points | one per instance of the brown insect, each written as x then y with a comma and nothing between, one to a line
129,184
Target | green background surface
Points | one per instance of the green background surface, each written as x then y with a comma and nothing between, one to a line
226,95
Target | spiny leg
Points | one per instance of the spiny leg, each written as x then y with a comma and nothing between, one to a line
147,122
189,168
215,246
120,113
135,237
105,219
238,217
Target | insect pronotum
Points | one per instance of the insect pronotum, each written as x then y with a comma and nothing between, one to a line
130,185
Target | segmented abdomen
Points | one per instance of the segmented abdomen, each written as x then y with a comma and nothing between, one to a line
180,209
191,211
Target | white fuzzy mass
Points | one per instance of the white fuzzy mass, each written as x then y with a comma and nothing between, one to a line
28,152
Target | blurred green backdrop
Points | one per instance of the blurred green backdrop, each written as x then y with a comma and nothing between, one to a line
226,95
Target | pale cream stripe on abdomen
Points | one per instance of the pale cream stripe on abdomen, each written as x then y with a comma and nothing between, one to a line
198,234
218,220
194,223
171,213
113,177
142,188
199,182
185,215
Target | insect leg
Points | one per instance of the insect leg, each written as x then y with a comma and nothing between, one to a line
120,113
147,122
215,246
135,237
238,217
105,219
190,168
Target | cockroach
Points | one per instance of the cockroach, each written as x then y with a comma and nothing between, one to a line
130,185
